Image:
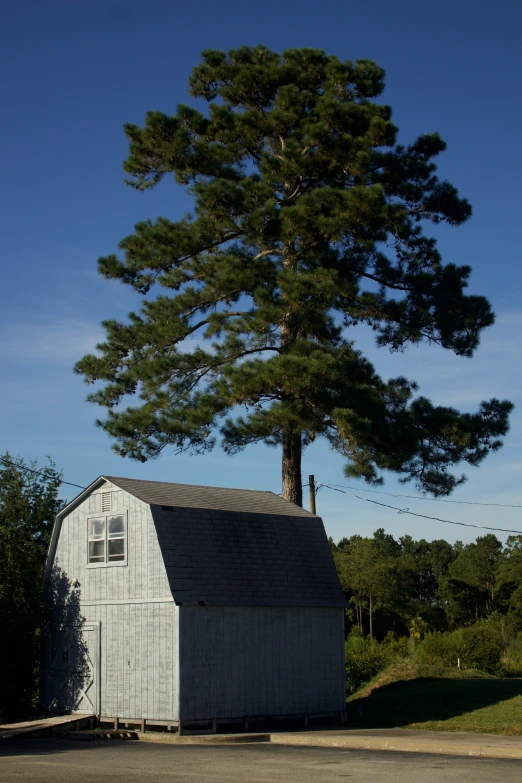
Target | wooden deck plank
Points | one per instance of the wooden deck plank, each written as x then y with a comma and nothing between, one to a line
11,730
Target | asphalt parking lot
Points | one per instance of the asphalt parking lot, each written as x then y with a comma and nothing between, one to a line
62,761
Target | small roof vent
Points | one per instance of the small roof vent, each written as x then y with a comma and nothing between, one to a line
106,501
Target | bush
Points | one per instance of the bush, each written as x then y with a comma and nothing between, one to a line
440,649
491,646
480,646
399,649
512,658
364,659
481,649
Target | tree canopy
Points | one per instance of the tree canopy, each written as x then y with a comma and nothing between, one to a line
29,502
308,218
408,585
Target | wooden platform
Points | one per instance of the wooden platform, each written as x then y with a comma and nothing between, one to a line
44,727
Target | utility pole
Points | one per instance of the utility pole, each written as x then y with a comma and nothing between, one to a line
311,484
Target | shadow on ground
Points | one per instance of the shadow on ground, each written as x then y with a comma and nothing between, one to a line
106,752
44,746
403,703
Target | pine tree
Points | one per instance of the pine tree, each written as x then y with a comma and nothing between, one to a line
308,219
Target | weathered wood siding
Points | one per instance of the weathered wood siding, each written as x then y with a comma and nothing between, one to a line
248,661
139,659
144,576
139,672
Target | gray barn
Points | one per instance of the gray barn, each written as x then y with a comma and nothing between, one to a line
176,603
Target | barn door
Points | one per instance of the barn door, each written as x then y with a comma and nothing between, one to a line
74,669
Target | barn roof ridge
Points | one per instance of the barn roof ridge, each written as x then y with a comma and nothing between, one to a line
184,484
209,498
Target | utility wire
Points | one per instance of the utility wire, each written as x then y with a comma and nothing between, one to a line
419,497
424,516
337,488
36,472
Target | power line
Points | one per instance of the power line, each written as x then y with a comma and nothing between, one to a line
419,497
36,472
424,516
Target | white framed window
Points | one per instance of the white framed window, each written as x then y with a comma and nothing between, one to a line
107,540
96,528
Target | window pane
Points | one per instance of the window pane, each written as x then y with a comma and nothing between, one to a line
116,526
96,528
96,551
117,549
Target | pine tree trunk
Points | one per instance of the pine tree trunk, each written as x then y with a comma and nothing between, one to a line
292,440
292,481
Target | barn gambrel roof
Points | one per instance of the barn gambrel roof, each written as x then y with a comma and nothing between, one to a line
237,547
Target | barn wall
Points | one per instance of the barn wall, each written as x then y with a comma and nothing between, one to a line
139,671
246,661
143,577
139,659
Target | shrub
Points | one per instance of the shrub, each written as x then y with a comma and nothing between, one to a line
399,649
364,659
479,646
512,658
440,649
481,649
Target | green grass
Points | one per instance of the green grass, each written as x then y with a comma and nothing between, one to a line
437,699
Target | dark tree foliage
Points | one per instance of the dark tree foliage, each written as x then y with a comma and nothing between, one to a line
407,586
29,502
308,219
472,584
509,577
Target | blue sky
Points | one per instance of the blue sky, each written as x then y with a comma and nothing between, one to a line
74,73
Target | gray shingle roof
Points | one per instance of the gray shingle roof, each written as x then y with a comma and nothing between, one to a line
164,493
236,547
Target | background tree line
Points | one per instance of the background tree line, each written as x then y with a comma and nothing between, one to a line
410,588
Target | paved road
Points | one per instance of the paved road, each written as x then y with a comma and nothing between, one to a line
62,761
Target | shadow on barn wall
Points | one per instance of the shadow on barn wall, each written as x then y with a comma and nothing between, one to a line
67,670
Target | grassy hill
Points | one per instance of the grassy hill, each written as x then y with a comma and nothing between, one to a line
426,697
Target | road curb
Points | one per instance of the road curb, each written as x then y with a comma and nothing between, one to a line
201,739
503,748
446,748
